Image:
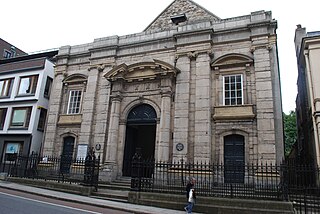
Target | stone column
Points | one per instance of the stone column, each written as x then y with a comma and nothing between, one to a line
110,167
181,114
202,138
164,129
88,107
265,100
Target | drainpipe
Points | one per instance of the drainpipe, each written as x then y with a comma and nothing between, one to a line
310,85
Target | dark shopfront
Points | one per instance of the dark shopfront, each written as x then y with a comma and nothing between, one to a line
11,145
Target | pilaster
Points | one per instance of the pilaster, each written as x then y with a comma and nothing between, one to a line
265,100
202,126
181,116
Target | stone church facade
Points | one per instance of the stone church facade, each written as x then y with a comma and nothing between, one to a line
191,87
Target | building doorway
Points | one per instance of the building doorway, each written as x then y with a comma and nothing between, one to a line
234,159
67,154
140,135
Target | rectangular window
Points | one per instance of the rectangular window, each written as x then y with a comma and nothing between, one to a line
28,85
232,89
20,117
74,102
42,119
3,113
5,87
47,89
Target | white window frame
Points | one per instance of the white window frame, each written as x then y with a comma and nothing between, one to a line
5,87
33,85
74,104
26,119
236,98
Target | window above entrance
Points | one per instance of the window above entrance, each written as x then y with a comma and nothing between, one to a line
143,113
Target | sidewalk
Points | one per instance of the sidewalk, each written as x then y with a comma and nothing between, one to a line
92,201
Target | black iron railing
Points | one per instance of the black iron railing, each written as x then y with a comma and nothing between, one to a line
83,171
253,181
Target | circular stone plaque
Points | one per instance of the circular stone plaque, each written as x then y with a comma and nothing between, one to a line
179,146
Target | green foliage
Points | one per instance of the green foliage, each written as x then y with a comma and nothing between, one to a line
290,130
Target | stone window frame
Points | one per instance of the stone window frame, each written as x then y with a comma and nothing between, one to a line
75,82
232,64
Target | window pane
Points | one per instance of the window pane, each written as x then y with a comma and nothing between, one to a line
227,87
18,118
42,119
21,117
28,85
227,102
25,85
238,78
3,113
233,102
233,79
47,88
5,86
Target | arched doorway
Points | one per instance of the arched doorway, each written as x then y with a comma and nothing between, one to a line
140,135
234,159
67,154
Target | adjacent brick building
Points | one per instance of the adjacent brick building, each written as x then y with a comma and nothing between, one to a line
8,50
191,87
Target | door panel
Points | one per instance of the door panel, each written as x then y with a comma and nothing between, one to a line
67,154
234,159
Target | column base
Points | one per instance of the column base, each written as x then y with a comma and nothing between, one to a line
108,172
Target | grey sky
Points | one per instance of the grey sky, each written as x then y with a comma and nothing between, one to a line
36,25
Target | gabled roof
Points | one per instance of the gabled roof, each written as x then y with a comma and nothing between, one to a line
192,11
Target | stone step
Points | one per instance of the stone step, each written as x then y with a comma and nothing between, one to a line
113,195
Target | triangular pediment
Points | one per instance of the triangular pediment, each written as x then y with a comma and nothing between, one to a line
141,71
191,10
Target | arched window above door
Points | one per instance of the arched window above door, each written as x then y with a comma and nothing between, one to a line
141,113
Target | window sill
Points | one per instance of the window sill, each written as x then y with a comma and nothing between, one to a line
70,119
238,112
18,128
25,95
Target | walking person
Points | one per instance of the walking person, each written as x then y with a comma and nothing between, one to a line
191,195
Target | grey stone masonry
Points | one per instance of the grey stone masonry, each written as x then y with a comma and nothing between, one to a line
205,86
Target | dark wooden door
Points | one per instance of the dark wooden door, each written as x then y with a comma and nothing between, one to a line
140,135
67,154
234,159
129,149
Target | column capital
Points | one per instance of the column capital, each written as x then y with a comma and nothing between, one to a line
166,92
116,97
